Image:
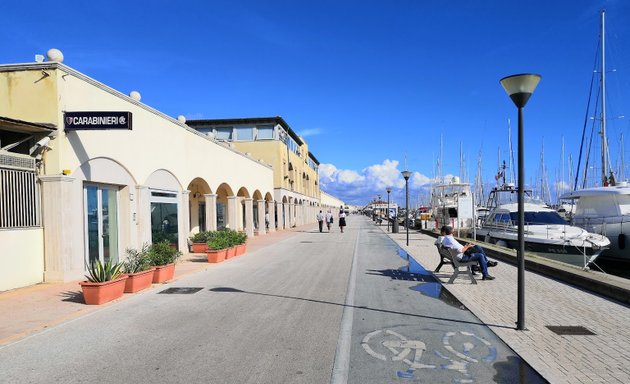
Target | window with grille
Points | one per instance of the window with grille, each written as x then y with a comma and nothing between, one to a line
19,199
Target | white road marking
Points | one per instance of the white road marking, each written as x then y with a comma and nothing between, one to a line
342,354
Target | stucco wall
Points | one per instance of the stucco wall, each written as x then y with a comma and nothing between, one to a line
21,258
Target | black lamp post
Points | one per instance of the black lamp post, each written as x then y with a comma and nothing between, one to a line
388,189
520,88
406,175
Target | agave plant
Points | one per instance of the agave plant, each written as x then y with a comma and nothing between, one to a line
99,273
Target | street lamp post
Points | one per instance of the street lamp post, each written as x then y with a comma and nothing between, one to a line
520,88
406,174
388,189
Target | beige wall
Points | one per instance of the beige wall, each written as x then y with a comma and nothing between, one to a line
21,258
159,152
330,201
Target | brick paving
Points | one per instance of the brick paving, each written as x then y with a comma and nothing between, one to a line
600,358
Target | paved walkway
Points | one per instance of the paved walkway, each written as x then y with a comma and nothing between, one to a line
32,309
600,358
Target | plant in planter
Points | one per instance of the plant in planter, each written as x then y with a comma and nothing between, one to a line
200,241
241,243
217,247
163,257
138,269
105,283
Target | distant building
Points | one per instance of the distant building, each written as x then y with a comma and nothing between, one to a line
271,140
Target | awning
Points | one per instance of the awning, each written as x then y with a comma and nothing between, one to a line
14,125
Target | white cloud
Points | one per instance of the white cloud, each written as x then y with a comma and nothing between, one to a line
359,187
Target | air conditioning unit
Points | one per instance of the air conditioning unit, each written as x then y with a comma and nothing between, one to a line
10,160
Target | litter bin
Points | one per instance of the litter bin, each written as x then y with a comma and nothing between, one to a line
395,226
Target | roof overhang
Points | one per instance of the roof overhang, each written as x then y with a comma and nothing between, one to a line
14,125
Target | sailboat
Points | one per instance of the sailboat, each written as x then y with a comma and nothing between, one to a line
605,209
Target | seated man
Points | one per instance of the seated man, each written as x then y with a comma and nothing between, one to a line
470,251
449,242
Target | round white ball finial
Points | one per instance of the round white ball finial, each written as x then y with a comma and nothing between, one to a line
54,54
181,119
135,95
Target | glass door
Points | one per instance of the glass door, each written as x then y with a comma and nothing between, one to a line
101,223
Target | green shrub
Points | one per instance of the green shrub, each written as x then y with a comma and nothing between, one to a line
99,273
162,253
137,260
201,237
218,242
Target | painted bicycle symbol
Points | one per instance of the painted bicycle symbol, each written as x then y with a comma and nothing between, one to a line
410,352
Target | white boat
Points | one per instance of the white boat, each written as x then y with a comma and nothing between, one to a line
452,204
546,233
604,209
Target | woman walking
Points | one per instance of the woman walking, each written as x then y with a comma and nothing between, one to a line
342,220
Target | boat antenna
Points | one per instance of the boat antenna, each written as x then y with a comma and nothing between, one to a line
511,157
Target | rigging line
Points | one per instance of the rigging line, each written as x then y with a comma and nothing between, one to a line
590,144
588,104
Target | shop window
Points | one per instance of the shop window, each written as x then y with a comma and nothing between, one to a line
164,222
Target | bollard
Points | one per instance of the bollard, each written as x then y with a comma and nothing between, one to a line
395,226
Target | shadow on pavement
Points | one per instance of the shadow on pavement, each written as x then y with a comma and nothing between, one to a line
72,296
236,290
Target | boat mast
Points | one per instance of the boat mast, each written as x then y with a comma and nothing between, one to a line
603,113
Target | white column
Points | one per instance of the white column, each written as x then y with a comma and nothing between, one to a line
232,212
183,222
261,218
285,215
143,216
249,217
271,208
211,211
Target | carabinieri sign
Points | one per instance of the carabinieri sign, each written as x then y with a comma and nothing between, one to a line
97,120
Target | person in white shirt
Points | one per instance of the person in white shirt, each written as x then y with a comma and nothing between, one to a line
329,219
342,220
320,221
449,242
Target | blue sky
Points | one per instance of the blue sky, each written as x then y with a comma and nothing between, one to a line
364,82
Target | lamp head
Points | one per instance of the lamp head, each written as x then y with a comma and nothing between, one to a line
406,174
520,87
388,189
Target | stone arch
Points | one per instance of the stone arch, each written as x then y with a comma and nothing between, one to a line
224,192
198,188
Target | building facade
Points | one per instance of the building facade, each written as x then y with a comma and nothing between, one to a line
87,171
271,139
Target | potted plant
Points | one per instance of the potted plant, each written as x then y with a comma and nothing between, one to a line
241,243
138,269
200,241
231,242
105,283
217,247
163,257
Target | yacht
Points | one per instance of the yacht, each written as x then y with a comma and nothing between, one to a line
546,232
452,204
605,210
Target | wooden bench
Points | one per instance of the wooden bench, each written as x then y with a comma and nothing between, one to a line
448,255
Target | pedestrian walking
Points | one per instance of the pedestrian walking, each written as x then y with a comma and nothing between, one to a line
320,220
342,220
267,221
329,219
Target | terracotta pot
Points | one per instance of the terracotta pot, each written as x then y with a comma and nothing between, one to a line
241,249
139,281
199,247
216,256
163,273
231,252
100,293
